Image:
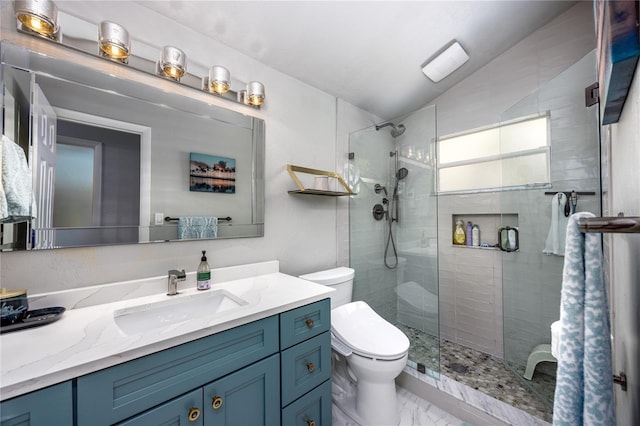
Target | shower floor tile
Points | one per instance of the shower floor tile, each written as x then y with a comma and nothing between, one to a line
483,372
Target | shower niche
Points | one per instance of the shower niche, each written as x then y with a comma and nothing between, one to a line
490,226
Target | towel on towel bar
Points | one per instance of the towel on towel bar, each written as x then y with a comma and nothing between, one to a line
556,236
16,196
584,384
197,227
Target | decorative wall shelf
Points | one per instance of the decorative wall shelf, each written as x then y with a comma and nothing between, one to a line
310,191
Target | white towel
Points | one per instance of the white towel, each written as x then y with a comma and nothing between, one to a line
556,236
16,195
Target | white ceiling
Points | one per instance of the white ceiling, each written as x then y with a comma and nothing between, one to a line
368,53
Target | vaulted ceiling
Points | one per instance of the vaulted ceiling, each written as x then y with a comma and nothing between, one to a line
366,52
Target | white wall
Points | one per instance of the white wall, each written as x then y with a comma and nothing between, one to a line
622,157
471,311
304,126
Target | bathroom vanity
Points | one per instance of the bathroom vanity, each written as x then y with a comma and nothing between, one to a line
264,360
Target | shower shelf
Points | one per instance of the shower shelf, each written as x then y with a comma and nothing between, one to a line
310,191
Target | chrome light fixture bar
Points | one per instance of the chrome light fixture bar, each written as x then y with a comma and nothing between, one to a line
39,18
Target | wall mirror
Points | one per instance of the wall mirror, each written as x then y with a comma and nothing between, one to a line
115,161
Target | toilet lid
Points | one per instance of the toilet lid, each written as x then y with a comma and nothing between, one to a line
367,333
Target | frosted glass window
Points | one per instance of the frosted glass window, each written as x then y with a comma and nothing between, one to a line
470,176
508,155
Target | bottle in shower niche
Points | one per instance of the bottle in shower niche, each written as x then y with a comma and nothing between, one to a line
459,235
469,233
475,236
203,280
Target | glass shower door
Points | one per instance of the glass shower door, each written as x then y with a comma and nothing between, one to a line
532,276
396,260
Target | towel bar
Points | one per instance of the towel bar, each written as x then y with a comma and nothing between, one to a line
619,224
174,219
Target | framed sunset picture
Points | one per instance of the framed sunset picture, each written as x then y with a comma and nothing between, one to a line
212,173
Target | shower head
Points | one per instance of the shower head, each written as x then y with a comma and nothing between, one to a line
396,130
402,173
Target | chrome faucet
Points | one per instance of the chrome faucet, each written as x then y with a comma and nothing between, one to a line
174,277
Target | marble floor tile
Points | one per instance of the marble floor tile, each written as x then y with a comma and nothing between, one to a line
414,411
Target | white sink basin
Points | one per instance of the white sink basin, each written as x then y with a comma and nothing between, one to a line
175,310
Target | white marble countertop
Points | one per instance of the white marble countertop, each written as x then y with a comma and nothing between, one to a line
87,338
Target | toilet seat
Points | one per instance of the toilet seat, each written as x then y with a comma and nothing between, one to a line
367,333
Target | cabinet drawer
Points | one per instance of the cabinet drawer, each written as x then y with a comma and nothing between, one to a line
119,392
186,410
49,406
304,322
305,366
313,409
250,396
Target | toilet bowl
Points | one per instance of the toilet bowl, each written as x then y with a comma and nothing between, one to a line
368,354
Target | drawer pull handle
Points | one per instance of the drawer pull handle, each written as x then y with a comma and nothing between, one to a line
310,367
194,414
309,323
216,403
311,422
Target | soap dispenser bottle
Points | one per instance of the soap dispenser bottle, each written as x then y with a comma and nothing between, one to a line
204,273
459,234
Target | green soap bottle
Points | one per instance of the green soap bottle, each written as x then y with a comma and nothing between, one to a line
204,273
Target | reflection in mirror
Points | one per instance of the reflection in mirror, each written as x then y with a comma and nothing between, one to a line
110,158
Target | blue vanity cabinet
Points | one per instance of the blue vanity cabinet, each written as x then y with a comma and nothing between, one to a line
120,392
250,396
44,407
305,364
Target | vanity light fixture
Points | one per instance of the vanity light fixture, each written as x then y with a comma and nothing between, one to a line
114,41
219,79
173,63
38,16
445,62
255,93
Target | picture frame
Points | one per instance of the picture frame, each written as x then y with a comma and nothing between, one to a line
212,173
618,47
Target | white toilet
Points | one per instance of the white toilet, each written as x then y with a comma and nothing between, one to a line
369,353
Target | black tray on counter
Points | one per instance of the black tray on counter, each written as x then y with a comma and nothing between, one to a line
35,318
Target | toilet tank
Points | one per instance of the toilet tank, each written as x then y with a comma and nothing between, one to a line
340,279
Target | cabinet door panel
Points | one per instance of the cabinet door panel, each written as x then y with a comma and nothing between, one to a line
312,409
305,366
44,407
303,323
177,412
248,397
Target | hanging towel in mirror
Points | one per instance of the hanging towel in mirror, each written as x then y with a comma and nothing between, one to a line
584,384
16,195
197,227
556,236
